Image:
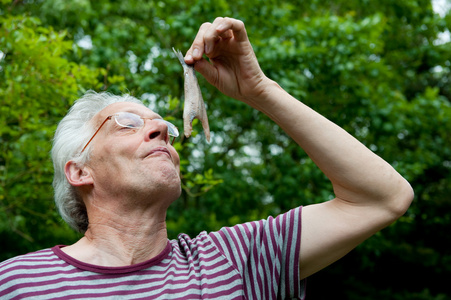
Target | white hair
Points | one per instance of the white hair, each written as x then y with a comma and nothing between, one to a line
72,133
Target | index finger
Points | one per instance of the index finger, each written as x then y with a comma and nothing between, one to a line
196,51
210,33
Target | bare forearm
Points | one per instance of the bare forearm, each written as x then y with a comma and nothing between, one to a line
357,174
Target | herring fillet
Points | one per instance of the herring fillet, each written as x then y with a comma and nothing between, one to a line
194,106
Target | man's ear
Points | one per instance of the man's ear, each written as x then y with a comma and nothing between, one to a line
77,175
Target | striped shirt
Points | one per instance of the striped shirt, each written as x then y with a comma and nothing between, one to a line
255,260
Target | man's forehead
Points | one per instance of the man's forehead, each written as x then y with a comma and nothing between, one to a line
136,108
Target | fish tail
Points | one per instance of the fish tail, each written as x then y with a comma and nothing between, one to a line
179,56
206,128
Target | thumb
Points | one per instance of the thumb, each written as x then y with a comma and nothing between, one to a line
207,70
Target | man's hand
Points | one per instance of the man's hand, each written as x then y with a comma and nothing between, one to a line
232,67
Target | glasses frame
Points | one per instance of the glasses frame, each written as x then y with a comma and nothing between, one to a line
113,115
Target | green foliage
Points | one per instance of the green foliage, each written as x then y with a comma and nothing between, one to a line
376,68
37,85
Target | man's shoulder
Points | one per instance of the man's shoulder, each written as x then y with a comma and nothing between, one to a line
25,261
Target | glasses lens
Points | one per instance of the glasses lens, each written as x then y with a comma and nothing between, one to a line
172,130
129,120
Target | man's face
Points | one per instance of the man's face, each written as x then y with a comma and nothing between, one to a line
134,163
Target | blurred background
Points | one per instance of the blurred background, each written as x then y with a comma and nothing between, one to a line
378,68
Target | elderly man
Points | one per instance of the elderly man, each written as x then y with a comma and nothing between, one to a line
116,174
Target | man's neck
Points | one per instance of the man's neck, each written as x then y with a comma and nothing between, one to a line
120,242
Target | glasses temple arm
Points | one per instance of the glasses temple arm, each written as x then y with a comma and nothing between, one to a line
106,119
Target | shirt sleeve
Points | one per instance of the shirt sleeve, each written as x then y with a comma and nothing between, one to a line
266,253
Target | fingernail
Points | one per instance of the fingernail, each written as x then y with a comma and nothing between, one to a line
189,57
195,53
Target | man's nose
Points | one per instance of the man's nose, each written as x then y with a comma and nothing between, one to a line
156,129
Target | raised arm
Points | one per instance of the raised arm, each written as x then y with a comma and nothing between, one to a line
369,193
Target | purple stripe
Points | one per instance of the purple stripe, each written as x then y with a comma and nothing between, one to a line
256,239
27,267
286,260
272,264
296,279
240,244
272,250
267,262
231,238
11,263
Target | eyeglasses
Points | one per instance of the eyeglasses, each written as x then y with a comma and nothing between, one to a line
134,121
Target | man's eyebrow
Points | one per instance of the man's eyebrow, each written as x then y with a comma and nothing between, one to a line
138,112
